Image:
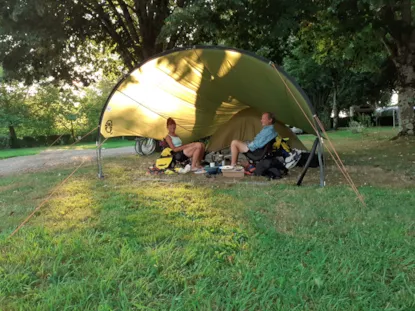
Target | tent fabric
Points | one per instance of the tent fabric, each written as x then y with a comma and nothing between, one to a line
244,126
202,88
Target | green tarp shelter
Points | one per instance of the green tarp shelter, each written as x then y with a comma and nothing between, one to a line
203,89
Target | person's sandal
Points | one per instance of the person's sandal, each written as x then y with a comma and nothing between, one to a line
200,171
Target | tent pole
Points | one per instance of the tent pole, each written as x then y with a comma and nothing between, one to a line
307,164
320,161
320,152
99,156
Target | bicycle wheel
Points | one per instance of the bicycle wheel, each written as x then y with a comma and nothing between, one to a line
138,144
148,146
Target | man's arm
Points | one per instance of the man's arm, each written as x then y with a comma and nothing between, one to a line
253,145
262,139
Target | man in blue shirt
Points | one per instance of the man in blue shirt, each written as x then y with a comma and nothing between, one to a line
267,134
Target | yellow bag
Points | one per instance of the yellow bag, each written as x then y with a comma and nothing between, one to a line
164,163
281,143
166,152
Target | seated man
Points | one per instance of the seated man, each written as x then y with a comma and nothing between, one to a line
267,134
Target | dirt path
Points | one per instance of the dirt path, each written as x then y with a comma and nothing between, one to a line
52,158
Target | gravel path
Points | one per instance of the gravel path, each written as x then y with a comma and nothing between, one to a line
52,158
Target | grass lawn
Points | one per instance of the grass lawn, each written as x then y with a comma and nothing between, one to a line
137,242
116,143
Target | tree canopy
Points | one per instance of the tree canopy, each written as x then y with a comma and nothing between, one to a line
343,52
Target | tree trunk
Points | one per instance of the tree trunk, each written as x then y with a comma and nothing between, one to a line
406,111
335,110
406,101
13,137
73,132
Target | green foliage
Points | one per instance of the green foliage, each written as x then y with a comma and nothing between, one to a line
261,26
49,38
46,38
391,24
13,112
46,109
4,142
356,127
365,120
39,39
329,60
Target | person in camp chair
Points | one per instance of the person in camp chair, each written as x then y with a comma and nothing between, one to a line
266,135
194,151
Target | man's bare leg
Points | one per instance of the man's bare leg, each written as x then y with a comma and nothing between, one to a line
236,148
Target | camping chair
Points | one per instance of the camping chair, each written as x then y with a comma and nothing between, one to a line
176,159
260,153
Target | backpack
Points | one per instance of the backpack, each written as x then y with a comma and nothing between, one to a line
281,147
271,168
303,160
166,159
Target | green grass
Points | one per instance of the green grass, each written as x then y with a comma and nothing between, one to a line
133,242
10,153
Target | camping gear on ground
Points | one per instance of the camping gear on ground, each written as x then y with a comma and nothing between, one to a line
219,156
250,169
230,167
185,170
164,163
207,90
281,147
154,170
234,173
167,152
304,156
166,160
212,170
180,157
271,168
169,159
292,159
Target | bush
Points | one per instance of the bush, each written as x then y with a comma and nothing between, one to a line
4,142
20,143
52,138
365,120
41,140
90,138
325,119
29,141
65,139
356,127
